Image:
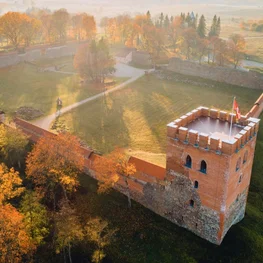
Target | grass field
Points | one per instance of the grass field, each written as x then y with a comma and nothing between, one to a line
22,85
136,117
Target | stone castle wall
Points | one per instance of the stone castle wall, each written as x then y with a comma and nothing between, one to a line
249,79
167,192
38,53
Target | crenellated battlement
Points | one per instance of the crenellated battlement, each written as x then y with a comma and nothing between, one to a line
209,129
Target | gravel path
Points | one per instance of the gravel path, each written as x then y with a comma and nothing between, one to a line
122,71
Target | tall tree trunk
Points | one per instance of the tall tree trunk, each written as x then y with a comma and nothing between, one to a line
128,192
69,254
64,255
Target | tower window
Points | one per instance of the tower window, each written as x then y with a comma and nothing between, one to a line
203,167
196,184
188,162
192,203
245,157
238,164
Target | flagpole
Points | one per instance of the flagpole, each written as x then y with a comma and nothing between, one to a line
231,122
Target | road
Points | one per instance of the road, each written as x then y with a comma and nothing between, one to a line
122,71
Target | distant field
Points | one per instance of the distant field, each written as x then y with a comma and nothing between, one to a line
22,85
255,49
136,117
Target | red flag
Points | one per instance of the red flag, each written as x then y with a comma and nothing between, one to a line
236,108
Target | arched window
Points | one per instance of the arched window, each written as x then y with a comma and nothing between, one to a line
188,162
238,164
245,157
192,203
196,184
203,167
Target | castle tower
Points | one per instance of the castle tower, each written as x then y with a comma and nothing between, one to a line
209,171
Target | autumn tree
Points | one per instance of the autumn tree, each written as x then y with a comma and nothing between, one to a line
10,184
202,48
89,26
54,165
113,168
189,42
11,27
236,47
174,32
60,20
30,29
13,145
35,217
14,241
98,231
47,27
94,61
68,230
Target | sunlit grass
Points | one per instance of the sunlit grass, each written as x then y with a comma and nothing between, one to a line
135,118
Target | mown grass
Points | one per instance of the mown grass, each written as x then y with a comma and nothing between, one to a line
22,85
135,118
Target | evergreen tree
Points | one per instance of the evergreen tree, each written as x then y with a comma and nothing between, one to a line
148,14
166,22
171,19
183,17
161,19
213,30
195,22
201,29
218,27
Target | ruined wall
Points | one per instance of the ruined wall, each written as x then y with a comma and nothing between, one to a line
38,53
249,79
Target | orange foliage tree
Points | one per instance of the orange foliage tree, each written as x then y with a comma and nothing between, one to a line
54,164
11,27
14,241
236,47
10,184
89,25
112,169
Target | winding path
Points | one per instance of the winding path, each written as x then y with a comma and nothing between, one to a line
122,71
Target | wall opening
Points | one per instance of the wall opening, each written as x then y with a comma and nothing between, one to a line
192,203
238,164
245,157
188,162
203,167
196,184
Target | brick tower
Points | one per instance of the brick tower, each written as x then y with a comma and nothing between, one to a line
208,172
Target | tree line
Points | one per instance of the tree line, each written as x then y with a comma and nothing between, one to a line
44,26
252,25
38,184
186,36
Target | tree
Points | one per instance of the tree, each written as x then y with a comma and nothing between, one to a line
54,165
11,27
94,61
201,29
35,217
174,31
47,27
13,145
30,29
89,25
111,168
202,48
68,230
77,23
14,241
189,42
161,19
215,27
236,47
10,184
60,19
98,231
166,22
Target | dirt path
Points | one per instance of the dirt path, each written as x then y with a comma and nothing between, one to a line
46,122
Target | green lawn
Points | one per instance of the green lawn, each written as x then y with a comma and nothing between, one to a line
135,118
22,85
